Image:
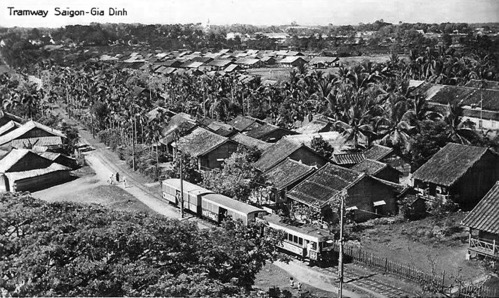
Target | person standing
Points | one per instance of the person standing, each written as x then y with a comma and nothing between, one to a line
124,182
117,177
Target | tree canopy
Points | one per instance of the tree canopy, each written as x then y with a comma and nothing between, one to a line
68,249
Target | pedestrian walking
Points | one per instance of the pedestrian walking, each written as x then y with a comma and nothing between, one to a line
299,286
111,179
124,182
117,177
291,282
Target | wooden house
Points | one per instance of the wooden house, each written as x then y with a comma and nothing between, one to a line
366,196
293,61
249,142
461,173
24,170
483,225
348,159
378,169
32,134
388,156
209,148
245,123
284,149
284,176
180,122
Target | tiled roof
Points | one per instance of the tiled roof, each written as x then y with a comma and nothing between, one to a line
275,154
377,152
288,172
316,125
483,84
250,142
324,184
485,215
262,131
370,167
348,158
179,120
242,123
200,141
449,164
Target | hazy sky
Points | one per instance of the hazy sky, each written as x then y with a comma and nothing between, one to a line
257,12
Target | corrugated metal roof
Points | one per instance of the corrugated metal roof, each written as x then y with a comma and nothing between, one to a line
485,215
231,204
14,176
16,133
348,158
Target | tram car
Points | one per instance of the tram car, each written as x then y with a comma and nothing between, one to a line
207,204
307,242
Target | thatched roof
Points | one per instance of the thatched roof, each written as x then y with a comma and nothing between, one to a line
449,164
288,172
324,184
200,141
485,215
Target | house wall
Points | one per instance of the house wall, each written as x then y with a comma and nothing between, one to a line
367,191
389,174
36,133
479,179
41,182
30,161
214,159
308,157
482,235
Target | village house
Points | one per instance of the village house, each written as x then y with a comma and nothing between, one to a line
479,105
347,159
284,176
483,225
25,170
180,123
249,142
378,169
32,134
323,62
388,156
284,149
366,197
245,123
292,61
460,173
207,147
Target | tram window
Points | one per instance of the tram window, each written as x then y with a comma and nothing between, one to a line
314,245
300,241
285,236
295,240
290,238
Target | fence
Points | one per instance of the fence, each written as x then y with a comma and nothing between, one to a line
405,271
473,291
428,280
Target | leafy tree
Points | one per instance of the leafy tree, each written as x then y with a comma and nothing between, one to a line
68,249
322,147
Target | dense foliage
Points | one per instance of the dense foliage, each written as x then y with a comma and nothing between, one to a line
67,249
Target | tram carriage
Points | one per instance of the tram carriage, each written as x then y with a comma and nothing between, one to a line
207,204
307,242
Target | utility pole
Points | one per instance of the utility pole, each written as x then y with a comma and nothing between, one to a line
179,155
340,258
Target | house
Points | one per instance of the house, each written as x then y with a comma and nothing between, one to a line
60,158
479,105
323,62
250,142
347,159
315,126
284,176
268,60
388,156
293,61
219,128
209,148
8,127
24,170
483,225
232,68
180,122
6,117
334,138
284,149
32,134
219,64
461,173
485,84
365,196
248,62
269,133
378,169
245,123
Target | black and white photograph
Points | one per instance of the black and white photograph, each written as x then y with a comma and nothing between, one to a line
249,148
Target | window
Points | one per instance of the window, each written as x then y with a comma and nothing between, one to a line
300,241
295,240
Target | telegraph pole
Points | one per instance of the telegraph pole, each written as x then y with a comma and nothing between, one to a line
181,174
340,258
